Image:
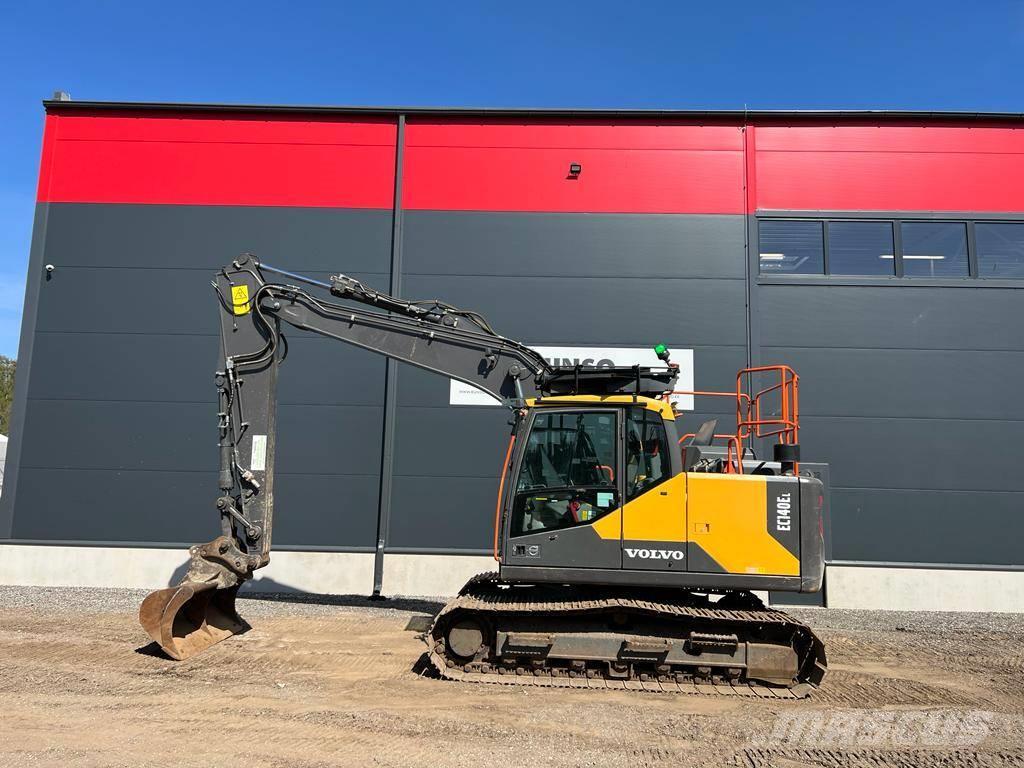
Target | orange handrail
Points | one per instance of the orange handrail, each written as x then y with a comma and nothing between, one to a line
749,421
501,495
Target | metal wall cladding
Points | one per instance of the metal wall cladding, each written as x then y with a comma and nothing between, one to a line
908,392
211,159
885,167
927,526
120,421
628,167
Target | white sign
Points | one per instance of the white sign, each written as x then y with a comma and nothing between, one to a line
599,357
259,454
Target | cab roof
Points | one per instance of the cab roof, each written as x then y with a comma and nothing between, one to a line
659,406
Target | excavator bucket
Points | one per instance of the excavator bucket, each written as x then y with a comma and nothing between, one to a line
187,619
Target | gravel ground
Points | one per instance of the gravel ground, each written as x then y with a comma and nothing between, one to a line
323,681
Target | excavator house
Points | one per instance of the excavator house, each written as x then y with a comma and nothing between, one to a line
628,547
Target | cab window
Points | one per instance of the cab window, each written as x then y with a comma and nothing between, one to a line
569,471
647,457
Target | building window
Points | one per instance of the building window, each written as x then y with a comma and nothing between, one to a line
861,248
791,247
934,249
903,248
1000,247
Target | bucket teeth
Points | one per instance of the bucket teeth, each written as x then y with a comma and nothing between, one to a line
187,619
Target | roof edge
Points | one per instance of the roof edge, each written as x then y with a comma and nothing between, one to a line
732,114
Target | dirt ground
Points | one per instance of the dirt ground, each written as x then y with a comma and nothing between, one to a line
330,681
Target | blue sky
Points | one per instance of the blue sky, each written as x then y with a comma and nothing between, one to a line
895,55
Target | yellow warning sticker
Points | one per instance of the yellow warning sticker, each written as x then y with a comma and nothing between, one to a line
240,299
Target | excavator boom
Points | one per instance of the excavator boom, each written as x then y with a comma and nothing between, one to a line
432,335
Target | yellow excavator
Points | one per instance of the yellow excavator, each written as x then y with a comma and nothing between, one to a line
628,552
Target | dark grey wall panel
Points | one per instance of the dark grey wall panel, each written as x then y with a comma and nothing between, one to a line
326,510
23,375
928,526
104,505
443,513
115,505
460,441
326,372
559,244
906,382
169,368
897,317
159,450
928,454
181,437
714,369
206,237
88,434
124,392
145,367
329,439
577,310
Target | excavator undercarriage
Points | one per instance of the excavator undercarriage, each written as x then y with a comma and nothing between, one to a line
665,641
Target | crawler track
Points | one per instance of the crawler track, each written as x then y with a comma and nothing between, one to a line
674,642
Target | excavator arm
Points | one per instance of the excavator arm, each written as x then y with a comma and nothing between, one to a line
432,335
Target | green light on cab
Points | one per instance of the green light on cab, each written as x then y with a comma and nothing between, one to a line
661,351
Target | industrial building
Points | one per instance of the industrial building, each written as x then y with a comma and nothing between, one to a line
881,254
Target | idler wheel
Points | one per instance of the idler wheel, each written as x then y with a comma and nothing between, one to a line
465,638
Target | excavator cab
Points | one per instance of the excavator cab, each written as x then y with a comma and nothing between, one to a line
595,495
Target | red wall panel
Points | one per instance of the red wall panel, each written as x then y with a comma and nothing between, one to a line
218,161
632,168
890,168
452,163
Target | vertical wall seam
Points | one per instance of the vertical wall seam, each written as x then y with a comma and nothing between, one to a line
750,239
390,374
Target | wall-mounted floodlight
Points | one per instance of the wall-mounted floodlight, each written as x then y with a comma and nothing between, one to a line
574,170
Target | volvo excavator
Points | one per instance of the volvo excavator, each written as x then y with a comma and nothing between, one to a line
628,552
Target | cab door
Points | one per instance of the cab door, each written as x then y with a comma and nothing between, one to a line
654,516
566,501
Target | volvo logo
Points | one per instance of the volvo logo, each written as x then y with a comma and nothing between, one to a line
655,554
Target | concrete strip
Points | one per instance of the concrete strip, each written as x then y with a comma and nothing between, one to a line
60,566
441,575
925,589
348,573
338,573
